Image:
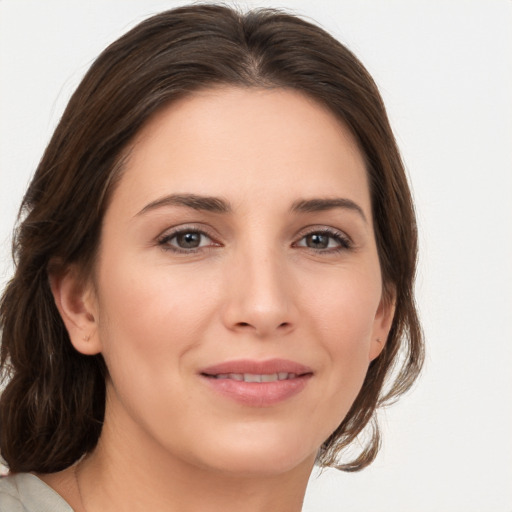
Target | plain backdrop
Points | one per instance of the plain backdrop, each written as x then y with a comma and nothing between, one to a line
445,71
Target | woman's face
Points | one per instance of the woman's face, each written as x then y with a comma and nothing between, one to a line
238,247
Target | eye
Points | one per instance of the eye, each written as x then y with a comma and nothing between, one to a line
186,240
325,240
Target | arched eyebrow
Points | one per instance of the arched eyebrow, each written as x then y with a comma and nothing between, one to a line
219,205
320,205
196,202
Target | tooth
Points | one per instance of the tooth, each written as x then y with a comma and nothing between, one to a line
251,377
254,377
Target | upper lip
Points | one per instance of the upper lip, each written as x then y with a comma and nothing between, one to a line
256,367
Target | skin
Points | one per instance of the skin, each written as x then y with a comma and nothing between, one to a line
259,286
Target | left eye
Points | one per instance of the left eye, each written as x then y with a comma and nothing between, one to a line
321,240
187,240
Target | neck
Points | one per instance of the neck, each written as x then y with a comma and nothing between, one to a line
120,475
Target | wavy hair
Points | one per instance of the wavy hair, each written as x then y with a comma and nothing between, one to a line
52,408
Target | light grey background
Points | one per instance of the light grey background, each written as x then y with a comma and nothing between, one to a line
445,71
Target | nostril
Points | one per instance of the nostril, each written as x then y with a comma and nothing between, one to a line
282,325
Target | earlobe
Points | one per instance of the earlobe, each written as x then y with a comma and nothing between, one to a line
377,345
76,302
381,327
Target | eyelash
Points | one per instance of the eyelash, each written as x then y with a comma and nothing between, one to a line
343,241
165,240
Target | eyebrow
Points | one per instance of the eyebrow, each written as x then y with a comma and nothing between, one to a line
320,205
218,205
204,203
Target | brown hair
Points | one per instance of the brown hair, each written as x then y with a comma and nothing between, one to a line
52,409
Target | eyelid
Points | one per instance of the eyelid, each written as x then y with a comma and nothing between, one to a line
346,242
169,234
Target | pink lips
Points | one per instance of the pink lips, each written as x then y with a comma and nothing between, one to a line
257,383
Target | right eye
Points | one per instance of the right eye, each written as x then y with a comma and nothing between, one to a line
186,240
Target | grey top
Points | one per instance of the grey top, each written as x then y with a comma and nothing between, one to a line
24,492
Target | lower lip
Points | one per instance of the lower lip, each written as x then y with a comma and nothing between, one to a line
258,394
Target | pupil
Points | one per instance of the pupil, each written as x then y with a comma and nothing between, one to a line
189,240
318,241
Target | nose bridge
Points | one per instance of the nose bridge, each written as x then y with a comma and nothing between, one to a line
260,298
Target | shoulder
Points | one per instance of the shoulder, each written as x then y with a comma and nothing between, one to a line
23,492
10,500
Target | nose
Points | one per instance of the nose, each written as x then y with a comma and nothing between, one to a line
260,299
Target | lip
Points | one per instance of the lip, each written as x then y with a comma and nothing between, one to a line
257,394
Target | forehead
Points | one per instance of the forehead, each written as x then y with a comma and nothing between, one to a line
244,142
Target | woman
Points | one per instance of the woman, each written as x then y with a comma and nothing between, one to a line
214,274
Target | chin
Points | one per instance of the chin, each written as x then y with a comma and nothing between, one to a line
262,456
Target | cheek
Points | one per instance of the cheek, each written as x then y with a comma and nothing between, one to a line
149,311
343,319
344,310
151,322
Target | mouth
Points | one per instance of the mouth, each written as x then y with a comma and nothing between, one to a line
257,383
255,377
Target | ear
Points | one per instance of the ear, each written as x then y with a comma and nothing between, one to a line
76,301
382,325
